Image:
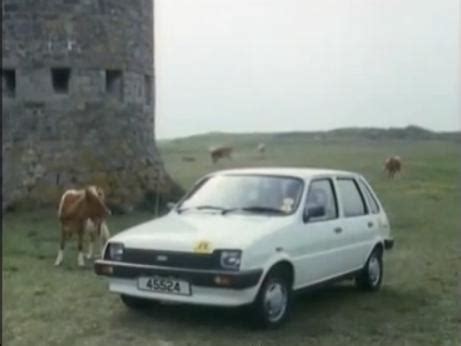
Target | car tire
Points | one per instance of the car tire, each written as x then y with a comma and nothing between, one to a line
273,304
135,303
371,276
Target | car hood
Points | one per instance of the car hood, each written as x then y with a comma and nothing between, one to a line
176,232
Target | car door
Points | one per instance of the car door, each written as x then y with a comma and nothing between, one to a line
357,223
318,238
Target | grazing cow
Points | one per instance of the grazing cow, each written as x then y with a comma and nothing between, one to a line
220,152
82,211
261,148
393,165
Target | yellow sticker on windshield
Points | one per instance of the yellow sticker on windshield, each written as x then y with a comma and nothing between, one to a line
203,247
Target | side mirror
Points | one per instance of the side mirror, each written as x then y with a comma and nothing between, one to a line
170,205
316,211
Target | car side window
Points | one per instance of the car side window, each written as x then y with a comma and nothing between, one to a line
351,198
321,194
371,201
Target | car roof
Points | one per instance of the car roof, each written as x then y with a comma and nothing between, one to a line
300,172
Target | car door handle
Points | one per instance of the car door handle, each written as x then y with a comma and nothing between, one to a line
338,230
370,224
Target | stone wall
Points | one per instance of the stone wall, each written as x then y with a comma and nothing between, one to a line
78,101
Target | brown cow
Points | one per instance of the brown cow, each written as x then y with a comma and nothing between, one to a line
393,165
220,152
82,211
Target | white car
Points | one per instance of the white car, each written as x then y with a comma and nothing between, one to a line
253,237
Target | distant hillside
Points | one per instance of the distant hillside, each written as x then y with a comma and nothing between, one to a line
411,132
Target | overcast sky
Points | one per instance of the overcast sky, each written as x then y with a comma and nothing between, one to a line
282,65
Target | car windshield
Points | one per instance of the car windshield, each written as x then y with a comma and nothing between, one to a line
245,193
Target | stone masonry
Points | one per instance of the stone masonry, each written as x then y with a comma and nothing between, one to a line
78,101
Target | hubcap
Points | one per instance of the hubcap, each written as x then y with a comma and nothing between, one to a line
374,270
275,301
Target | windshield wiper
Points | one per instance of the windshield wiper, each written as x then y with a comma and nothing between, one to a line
201,207
255,209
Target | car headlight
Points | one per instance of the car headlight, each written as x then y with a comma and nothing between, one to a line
230,259
115,251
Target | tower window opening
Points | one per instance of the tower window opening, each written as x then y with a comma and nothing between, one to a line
60,78
148,89
114,83
9,82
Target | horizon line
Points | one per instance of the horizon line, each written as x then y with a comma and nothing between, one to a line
197,134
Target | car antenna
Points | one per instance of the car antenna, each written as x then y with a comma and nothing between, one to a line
157,196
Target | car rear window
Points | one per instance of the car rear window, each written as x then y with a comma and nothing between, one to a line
351,198
371,201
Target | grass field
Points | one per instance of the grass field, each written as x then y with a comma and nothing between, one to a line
418,303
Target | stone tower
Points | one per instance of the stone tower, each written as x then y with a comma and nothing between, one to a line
78,101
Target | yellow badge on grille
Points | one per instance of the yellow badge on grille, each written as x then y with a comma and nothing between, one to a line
203,247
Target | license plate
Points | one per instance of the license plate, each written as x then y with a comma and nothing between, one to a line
164,285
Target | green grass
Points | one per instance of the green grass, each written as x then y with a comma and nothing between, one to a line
418,303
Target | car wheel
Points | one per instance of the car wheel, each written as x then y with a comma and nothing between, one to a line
273,303
371,275
135,302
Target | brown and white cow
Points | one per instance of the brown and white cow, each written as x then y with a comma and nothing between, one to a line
393,165
82,211
220,152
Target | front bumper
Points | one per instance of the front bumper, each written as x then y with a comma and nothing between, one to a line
203,278
232,288
222,297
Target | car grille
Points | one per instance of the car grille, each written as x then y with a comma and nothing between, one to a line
172,259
